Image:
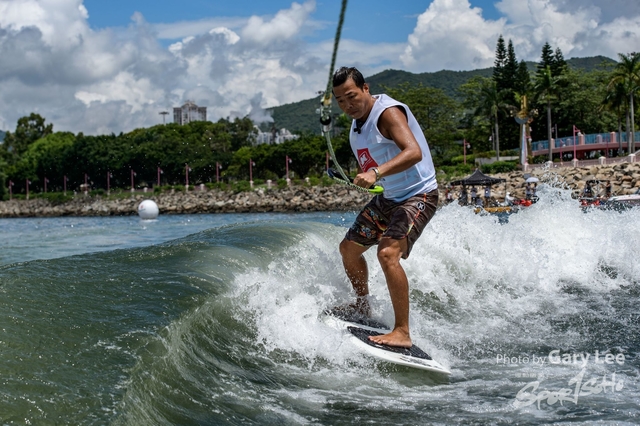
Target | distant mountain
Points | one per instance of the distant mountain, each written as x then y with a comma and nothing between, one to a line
302,117
592,63
2,133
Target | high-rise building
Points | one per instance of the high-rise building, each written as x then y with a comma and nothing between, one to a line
189,112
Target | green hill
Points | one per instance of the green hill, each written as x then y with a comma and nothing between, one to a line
302,117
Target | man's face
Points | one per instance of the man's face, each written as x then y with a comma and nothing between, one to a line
355,102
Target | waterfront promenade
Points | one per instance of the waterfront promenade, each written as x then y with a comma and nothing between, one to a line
624,178
610,146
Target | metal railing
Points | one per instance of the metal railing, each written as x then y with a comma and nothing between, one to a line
590,139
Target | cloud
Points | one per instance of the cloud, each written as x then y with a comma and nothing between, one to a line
183,29
117,79
451,34
284,26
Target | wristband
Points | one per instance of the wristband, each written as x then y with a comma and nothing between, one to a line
377,172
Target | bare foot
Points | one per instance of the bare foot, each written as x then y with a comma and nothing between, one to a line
360,308
397,337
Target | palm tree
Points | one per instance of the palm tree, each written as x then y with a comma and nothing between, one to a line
546,87
627,73
490,105
616,101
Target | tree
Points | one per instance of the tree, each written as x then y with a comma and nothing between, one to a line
616,101
547,58
490,104
546,86
28,130
523,79
580,95
3,179
436,113
500,61
558,64
509,74
627,73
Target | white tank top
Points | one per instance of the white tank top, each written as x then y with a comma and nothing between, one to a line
372,149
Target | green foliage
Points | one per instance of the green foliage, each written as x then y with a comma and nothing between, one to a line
446,173
546,57
3,180
220,186
449,106
28,130
436,113
500,61
56,198
242,186
523,79
626,74
460,159
499,167
325,180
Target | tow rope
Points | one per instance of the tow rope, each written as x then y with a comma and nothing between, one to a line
325,117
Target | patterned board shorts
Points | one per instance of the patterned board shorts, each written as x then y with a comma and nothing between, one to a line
386,218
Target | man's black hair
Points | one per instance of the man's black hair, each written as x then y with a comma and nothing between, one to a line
342,74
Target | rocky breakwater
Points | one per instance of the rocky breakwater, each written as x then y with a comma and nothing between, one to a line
294,199
624,179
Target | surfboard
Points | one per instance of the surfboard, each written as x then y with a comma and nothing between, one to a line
360,328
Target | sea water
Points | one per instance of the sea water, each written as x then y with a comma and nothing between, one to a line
215,319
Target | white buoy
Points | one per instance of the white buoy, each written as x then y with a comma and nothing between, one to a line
148,209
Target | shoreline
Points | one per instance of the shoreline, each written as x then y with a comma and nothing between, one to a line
624,178
294,199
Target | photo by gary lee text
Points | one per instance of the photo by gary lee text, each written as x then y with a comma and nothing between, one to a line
558,357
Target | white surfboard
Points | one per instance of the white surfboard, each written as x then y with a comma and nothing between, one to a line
361,328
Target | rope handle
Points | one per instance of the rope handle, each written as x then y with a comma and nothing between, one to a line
333,174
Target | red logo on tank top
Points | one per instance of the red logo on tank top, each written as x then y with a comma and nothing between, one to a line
366,160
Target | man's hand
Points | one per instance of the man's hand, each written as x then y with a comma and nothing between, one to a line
366,179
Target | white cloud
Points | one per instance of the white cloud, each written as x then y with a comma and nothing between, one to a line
284,26
451,34
117,79
60,21
184,29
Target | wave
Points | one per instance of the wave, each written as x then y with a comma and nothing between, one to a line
223,326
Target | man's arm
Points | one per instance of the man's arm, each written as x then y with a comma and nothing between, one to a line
393,125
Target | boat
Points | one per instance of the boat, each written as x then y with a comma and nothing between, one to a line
631,199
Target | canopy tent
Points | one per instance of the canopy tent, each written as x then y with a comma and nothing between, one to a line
478,178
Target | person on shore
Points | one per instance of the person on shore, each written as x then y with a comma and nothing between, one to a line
508,199
487,195
448,195
390,149
464,196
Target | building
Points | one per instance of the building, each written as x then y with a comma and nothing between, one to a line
274,136
189,112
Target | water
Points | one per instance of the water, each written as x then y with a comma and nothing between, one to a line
214,319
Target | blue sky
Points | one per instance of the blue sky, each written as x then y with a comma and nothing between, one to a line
362,22
102,66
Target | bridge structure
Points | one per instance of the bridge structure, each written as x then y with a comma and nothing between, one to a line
585,147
